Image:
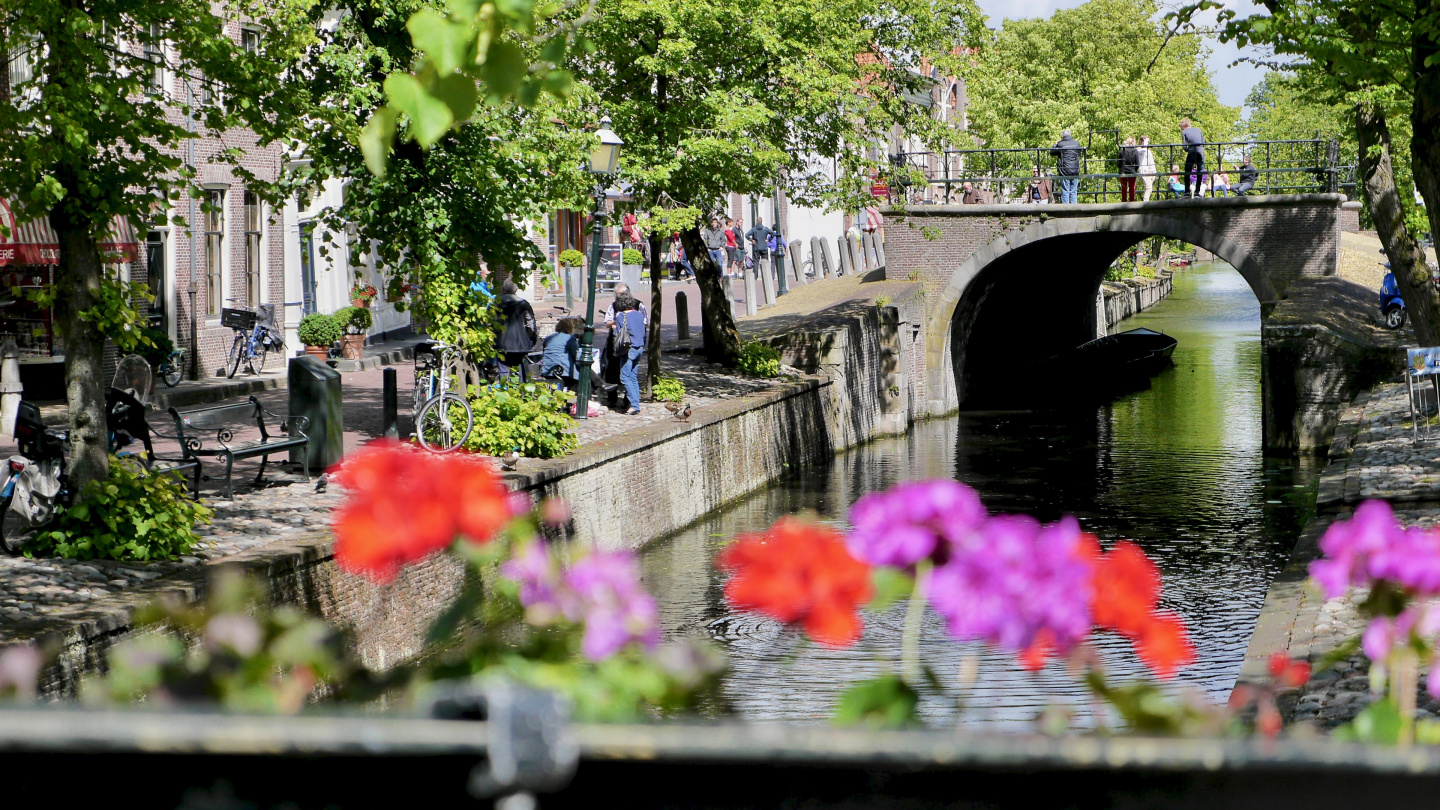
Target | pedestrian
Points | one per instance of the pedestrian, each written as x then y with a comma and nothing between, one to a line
776,243
715,241
1129,169
1038,192
1067,165
735,239
517,330
969,195
1176,187
759,237
1249,176
681,268
481,284
1194,141
1147,166
1219,181
629,313
561,351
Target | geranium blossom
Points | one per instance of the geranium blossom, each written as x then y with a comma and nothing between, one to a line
799,572
602,590
403,504
1372,546
913,521
1127,591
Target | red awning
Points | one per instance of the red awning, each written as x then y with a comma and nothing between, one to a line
35,242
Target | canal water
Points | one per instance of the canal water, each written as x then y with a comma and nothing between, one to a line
1178,467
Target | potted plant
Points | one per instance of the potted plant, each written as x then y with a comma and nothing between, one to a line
354,322
317,332
362,294
632,263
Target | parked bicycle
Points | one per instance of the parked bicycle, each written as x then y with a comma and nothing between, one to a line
443,419
256,336
172,368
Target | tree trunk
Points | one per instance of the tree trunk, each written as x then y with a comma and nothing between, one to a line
1407,260
722,340
77,282
657,308
1425,161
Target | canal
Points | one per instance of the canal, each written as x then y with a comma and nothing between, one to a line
1178,467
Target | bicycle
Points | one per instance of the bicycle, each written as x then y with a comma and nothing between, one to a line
254,339
172,368
443,419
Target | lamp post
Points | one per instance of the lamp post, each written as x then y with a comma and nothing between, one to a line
777,258
603,160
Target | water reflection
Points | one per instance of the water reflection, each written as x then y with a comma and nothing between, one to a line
1178,467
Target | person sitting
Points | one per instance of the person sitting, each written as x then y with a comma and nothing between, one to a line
1219,182
1249,176
971,195
561,351
1039,191
1177,188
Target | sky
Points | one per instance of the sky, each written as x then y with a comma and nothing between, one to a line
1232,83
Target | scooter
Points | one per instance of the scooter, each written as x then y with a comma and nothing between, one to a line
1392,306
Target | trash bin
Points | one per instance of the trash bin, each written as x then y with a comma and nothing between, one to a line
315,393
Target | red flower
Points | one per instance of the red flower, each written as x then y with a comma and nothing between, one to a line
1127,589
403,504
1286,673
1163,645
799,572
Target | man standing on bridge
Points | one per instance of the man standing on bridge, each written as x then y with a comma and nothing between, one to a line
1067,165
1193,140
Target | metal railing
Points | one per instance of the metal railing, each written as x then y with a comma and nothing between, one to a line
1284,167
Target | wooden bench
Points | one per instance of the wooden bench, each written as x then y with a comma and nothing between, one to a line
126,416
190,425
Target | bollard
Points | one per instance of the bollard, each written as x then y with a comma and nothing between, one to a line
797,256
391,412
820,258
751,305
842,244
767,279
10,386
682,314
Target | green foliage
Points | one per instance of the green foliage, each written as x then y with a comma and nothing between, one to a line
133,515
760,359
668,388
358,319
318,329
250,657
883,702
1088,69
632,256
572,258
512,415
114,314
159,345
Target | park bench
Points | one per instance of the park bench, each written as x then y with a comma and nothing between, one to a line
225,420
126,416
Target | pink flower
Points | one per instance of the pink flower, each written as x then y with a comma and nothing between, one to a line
1349,545
913,521
601,591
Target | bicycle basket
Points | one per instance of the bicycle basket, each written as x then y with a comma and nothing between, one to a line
237,318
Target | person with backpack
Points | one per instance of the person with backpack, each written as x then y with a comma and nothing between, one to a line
1067,164
517,330
626,344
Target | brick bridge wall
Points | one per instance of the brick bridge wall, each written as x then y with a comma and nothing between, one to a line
1041,268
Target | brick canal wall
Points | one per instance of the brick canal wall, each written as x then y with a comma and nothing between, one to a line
1126,298
862,361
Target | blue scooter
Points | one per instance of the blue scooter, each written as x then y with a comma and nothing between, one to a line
1392,307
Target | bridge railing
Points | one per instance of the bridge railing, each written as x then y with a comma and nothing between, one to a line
1284,167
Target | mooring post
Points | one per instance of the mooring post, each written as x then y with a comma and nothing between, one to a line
682,315
391,404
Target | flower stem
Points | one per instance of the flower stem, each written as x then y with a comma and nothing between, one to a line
914,612
1407,679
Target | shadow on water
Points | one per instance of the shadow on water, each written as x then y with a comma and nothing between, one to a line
1178,467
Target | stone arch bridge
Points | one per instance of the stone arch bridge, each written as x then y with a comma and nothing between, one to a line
1005,284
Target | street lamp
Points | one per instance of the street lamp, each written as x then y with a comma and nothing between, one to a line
604,158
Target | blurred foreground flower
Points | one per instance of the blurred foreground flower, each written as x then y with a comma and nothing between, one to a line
913,521
20,671
601,590
403,504
1127,591
799,572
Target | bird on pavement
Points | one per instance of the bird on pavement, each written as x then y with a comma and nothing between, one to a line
672,407
322,482
684,413
509,460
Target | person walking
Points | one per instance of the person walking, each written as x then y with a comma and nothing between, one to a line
735,241
517,330
715,242
1219,182
1038,192
1129,169
631,314
759,237
1194,141
1067,165
561,352
1249,176
1148,171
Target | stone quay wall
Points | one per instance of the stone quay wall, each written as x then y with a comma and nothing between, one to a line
1126,298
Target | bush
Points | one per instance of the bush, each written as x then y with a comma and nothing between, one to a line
668,389
525,416
318,330
571,258
760,359
160,351
354,320
132,515
632,256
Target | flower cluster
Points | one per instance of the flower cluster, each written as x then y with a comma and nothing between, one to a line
602,590
403,504
1034,589
799,572
363,292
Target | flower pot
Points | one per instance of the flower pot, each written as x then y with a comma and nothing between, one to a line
360,302
352,347
318,352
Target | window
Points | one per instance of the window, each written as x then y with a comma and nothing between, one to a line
252,249
155,55
250,40
214,250
21,69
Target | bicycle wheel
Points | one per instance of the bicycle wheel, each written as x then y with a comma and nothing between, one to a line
237,355
445,423
257,359
13,529
172,375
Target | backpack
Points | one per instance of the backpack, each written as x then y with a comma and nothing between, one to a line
620,340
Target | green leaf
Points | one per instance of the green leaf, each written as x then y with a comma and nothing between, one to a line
430,118
444,42
884,702
376,140
504,69
459,93
891,585
1378,723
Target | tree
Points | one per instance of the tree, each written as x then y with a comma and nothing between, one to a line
86,141
718,98
436,212
1107,64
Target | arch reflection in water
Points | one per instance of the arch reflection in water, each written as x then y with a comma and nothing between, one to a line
1178,467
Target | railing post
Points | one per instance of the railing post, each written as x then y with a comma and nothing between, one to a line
1332,161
